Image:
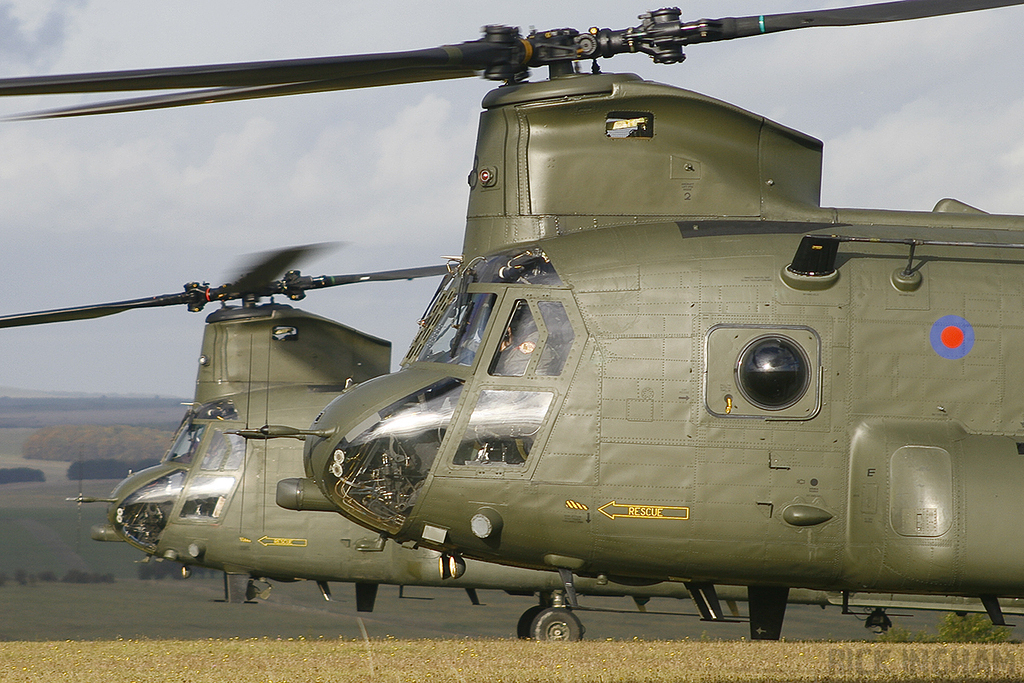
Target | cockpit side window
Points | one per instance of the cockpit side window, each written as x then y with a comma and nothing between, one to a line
522,338
503,427
517,344
559,339
225,452
206,497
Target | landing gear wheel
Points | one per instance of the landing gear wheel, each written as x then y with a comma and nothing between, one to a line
556,623
526,621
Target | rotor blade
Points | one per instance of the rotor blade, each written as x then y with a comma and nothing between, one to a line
740,27
268,266
213,95
384,275
359,70
87,312
294,284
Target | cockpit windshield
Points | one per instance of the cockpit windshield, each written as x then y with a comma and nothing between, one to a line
456,337
381,468
456,320
190,434
186,443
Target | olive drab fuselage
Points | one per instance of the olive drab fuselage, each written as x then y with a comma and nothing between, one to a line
631,376
213,501
210,502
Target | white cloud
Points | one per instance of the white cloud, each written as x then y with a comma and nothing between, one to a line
136,204
927,150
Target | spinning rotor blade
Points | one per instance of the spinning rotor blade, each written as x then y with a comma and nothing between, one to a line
258,276
214,95
262,279
387,68
384,275
294,284
271,265
662,35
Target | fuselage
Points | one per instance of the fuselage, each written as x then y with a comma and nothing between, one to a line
213,501
634,377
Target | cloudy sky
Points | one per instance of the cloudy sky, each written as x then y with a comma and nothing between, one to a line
131,205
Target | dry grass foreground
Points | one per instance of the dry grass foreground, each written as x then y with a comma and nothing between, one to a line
300,661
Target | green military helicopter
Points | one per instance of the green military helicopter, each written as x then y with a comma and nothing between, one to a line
661,359
226,497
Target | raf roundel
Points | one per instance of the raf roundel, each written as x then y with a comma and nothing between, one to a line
952,337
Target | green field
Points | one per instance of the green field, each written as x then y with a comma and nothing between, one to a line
41,531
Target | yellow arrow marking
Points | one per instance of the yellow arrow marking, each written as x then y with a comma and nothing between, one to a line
615,510
285,542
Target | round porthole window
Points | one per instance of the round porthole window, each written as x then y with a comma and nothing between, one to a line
773,372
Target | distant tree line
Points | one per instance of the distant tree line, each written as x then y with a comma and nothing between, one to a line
70,443
106,468
11,475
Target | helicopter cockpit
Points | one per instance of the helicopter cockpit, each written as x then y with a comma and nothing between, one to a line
455,322
379,467
151,497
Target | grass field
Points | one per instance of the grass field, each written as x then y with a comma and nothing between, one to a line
41,531
339,661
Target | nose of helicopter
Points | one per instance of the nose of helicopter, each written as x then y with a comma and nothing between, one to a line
386,434
143,505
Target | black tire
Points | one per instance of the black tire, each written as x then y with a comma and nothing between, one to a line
526,622
556,623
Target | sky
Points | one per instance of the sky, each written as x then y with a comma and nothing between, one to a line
123,206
